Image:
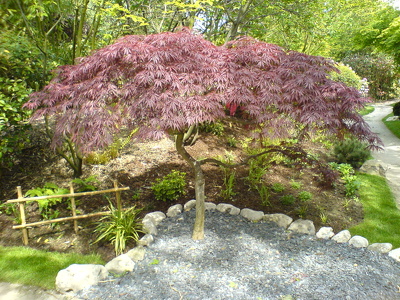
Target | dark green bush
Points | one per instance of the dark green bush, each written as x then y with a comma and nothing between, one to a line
170,187
396,109
351,151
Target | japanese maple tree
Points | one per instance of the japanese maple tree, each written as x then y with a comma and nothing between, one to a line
166,83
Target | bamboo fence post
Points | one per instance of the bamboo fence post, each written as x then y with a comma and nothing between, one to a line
73,207
25,237
117,196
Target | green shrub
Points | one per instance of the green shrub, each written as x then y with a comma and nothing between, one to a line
118,227
351,151
278,187
288,199
304,196
347,76
396,109
170,187
13,128
295,185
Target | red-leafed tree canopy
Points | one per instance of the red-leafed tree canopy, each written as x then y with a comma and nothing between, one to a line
165,83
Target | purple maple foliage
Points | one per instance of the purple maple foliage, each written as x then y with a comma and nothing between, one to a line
165,83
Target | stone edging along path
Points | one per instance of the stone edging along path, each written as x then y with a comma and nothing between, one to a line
77,277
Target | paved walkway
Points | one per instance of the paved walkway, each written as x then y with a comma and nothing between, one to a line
10,291
390,156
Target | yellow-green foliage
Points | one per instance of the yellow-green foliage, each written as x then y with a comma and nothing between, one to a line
347,76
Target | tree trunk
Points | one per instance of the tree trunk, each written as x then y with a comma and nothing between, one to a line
199,183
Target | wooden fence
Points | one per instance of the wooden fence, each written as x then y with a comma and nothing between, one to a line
72,195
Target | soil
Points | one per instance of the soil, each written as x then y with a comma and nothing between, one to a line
139,165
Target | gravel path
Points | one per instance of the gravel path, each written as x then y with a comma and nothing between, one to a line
239,259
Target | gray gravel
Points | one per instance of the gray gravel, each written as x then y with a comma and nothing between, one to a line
244,260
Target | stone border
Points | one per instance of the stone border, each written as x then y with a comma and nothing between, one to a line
77,277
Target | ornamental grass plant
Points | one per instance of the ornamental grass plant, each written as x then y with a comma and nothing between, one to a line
118,227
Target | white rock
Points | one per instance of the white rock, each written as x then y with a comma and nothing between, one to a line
146,240
380,247
120,264
252,215
374,167
325,233
149,227
156,217
395,254
358,242
189,205
76,277
228,208
394,118
136,253
174,210
342,236
210,206
302,226
281,220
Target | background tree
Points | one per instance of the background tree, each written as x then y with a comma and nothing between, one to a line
165,83
379,69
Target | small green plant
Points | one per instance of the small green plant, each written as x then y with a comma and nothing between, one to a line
351,151
346,202
278,187
11,209
229,183
170,187
87,184
302,211
215,128
295,185
46,206
347,174
304,196
288,199
323,217
119,227
352,185
136,194
264,194
232,141
111,152
256,173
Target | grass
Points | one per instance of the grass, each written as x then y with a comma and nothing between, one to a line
367,110
393,126
28,266
382,218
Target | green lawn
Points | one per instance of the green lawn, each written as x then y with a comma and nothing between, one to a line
393,126
382,218
28,266
367,110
